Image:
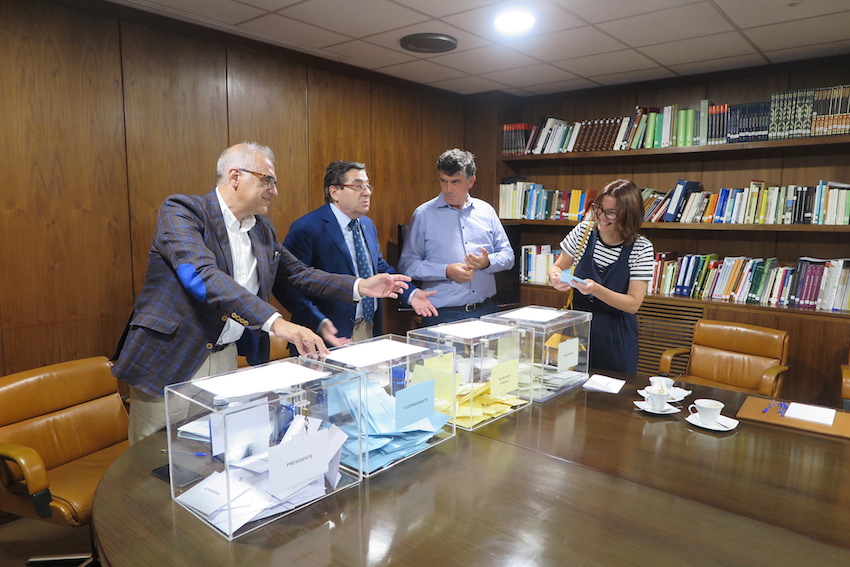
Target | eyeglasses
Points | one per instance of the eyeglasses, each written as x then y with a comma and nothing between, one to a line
610,214
359,187
270,181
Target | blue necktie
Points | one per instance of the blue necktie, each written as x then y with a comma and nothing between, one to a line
364,270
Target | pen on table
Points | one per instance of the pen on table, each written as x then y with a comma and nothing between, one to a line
770,405
197,454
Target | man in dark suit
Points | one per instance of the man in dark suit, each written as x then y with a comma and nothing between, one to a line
213,264
328,238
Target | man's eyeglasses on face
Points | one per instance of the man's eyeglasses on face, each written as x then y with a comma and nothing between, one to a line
359,187
610,214
270,181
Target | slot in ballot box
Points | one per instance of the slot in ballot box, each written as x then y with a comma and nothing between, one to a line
408,394
248,447
487,361
553,352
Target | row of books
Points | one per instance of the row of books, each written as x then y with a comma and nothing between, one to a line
531,201
813,283
535,261
788,114
808,112
733,123
827,203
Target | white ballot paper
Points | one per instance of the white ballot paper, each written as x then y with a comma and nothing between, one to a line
532,314
266,378
600,383
374,352
471,329
302,468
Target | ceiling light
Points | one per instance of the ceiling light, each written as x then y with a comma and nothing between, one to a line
514,21
428,42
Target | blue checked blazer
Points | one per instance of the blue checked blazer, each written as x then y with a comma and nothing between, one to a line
189,294
317,240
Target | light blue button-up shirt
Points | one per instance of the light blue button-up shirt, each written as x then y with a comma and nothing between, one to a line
440,234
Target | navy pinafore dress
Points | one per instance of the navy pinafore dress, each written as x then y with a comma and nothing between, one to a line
613,333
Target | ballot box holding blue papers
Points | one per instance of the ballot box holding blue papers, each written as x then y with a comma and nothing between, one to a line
408,395
487,364
553,349
248,447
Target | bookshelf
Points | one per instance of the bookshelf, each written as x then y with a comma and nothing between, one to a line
820,340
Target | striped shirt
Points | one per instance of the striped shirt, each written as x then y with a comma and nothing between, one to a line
640,260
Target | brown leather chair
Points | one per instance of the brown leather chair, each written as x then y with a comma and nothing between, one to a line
734,356
845,384
61,426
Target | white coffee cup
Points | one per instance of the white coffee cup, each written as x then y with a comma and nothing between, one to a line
668,382
656,401
707,410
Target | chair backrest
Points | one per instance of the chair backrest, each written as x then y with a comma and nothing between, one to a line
735,353
67,413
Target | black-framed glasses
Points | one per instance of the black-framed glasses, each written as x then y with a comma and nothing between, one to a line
270,181
359,187
610,214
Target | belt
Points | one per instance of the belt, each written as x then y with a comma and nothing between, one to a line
219,348
469,306
359,320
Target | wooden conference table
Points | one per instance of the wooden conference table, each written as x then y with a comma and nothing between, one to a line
583,479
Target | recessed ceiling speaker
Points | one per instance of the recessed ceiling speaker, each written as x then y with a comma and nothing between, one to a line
428,42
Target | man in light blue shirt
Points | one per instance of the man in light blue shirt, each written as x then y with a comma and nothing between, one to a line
455,244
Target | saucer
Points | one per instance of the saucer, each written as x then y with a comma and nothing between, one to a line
668,409
723,423
675,394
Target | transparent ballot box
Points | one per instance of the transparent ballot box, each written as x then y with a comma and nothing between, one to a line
487,362
248,447
408,394
553,352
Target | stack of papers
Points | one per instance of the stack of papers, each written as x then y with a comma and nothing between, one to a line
475,404
600,383
383,441
300,469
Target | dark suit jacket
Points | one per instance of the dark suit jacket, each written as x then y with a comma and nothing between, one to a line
317,240
188,294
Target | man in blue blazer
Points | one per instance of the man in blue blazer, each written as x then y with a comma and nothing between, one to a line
326,239
214,262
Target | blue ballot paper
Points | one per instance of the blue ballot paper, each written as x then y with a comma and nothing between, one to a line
384,439
568,277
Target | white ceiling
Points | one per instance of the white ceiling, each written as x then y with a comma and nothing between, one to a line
575,44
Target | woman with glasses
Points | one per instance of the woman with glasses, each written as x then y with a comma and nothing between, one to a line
613,267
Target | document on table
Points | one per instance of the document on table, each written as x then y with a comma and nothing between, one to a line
808,412
600,383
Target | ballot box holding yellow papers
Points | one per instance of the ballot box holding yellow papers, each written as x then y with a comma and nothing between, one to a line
408,395
487,362
248,447
553,349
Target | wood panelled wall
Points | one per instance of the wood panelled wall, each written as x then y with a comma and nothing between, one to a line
106,115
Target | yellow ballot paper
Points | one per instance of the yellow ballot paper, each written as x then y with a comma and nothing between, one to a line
504,378
444,389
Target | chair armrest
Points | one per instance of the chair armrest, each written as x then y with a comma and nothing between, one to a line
771,381
35,475
845,381
666,360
